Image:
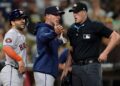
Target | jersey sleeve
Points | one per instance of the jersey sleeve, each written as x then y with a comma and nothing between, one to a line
10,39
69,34
103,30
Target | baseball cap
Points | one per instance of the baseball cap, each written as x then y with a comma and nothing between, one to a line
77,7
54,10
16,14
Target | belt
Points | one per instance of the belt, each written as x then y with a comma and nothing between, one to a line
13,66
85,62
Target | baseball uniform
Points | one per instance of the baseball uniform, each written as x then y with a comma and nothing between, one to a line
10,75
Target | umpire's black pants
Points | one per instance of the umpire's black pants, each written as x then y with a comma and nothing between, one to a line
87,75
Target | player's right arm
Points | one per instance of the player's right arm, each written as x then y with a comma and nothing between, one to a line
11,53
45,34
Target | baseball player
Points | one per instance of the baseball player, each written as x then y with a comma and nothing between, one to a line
14,47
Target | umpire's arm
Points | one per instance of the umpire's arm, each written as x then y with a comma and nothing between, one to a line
67,65
114,40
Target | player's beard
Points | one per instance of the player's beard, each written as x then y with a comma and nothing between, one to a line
20,27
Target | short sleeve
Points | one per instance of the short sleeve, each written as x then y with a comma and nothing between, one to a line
10,39
70,34
103,31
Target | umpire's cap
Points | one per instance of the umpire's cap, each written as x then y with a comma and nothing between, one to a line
16,14
78,7
54,10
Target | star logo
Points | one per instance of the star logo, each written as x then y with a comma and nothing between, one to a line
8,40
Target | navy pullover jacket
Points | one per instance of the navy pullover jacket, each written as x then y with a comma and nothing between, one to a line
47,49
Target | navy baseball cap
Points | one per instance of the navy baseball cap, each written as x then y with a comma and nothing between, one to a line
54,10
78,7
16,14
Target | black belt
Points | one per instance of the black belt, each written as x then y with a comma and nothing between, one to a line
85,62
13,66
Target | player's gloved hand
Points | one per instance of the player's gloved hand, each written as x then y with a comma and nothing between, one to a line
21,68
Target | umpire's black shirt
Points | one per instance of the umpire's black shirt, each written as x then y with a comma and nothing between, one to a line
86,39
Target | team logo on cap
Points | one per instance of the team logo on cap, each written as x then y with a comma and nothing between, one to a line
57,7
75,5
21,12
8,40
83,8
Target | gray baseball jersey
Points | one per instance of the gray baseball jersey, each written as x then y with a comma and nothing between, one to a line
9,75
16,40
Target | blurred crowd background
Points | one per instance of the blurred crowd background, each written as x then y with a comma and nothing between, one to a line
105,11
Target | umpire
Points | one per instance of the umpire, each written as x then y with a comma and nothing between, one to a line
85,38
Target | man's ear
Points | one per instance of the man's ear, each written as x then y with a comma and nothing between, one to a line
12,23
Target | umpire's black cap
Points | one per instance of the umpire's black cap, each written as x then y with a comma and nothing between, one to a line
16,14
54,10
78,7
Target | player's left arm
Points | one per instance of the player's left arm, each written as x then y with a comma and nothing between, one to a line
114,40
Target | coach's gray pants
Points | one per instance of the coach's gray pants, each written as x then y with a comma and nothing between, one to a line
42,79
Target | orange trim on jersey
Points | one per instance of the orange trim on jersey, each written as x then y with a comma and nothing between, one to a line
11,53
